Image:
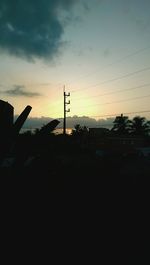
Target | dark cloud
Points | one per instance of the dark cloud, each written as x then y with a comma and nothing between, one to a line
20,91
89,122
33,122
32,28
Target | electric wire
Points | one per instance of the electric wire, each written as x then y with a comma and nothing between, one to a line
113,92
114,79
115,62
112,102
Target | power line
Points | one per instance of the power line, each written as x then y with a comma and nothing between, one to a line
117,61
130,99
116,114
132,54
110,115
113,92
119,101
114,79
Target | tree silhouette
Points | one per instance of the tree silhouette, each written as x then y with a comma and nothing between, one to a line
140,126
79,130
121,125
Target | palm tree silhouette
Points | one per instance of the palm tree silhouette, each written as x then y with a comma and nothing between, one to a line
140,126
121,125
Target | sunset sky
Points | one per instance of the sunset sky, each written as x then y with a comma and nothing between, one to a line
98,49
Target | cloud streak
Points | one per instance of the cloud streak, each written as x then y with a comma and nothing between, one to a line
33,28
20,91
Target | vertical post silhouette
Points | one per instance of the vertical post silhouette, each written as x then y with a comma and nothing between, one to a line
65,110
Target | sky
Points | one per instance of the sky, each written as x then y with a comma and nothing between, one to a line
99,50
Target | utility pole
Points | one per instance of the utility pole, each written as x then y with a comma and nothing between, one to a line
65,110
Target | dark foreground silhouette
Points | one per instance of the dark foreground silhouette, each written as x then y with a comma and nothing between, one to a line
115,187
111,181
